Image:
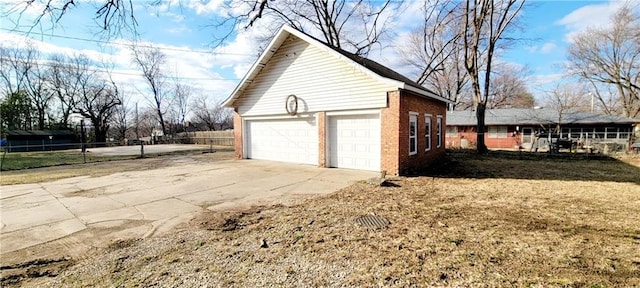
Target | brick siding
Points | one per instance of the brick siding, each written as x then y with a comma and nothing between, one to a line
237,135
390,134
421,105
469,133
322,139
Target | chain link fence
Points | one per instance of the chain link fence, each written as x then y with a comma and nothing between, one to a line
35,154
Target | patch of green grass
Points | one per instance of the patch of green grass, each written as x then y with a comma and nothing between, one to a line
28,160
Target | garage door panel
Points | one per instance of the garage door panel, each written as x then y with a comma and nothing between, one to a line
291,140
354,142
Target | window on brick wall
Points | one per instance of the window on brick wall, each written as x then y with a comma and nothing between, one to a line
413,133
439,130
497,132
427,131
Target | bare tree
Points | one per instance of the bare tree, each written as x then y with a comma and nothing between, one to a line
147,122
611,56
65,80
111,16
207,112
150,62
484,23
95,97
15,63
565,98
508,88
37,90
351,25
180,104
434,51
20,70
121,116
97,104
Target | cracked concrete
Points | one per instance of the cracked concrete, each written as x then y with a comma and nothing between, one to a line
83,212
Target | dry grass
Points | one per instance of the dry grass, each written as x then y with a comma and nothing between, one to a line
491,221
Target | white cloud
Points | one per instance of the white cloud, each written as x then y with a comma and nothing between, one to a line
197,69
205,7
531,49
594,15
547,48
546,79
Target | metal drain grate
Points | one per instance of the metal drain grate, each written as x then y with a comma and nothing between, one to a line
372,221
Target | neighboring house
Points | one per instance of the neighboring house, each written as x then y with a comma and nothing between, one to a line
513,128
305,102
39,140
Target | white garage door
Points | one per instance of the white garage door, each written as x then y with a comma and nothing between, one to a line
292,140
354,142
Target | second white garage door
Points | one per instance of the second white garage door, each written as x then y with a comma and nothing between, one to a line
291,140
354,142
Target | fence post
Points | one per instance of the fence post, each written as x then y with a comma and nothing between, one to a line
210,145
4,154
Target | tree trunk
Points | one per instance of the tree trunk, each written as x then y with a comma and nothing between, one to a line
100,133
164,129
480,111
41,119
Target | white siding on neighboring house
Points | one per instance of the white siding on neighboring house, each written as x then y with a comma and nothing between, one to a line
321,81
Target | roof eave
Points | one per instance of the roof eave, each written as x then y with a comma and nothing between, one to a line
425,93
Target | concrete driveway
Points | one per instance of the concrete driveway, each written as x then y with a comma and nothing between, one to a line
72,215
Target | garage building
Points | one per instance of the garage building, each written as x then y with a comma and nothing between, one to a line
306,102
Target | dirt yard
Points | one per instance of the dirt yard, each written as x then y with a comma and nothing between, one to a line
504,219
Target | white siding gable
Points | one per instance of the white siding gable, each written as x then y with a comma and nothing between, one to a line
321,81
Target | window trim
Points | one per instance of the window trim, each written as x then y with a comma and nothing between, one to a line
439,130
413,115
427,132
497,134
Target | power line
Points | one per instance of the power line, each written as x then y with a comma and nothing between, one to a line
94,69
126,45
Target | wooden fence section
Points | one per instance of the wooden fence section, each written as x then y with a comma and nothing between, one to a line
221,138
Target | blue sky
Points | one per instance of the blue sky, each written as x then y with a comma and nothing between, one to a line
182,29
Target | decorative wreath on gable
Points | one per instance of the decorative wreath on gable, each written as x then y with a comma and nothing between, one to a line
291,105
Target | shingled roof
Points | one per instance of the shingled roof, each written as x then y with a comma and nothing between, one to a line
523,116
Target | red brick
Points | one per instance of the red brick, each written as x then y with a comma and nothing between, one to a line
237,135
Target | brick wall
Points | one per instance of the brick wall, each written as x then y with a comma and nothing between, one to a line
322,139
237,135
421,105
395,132
389,134
469,133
